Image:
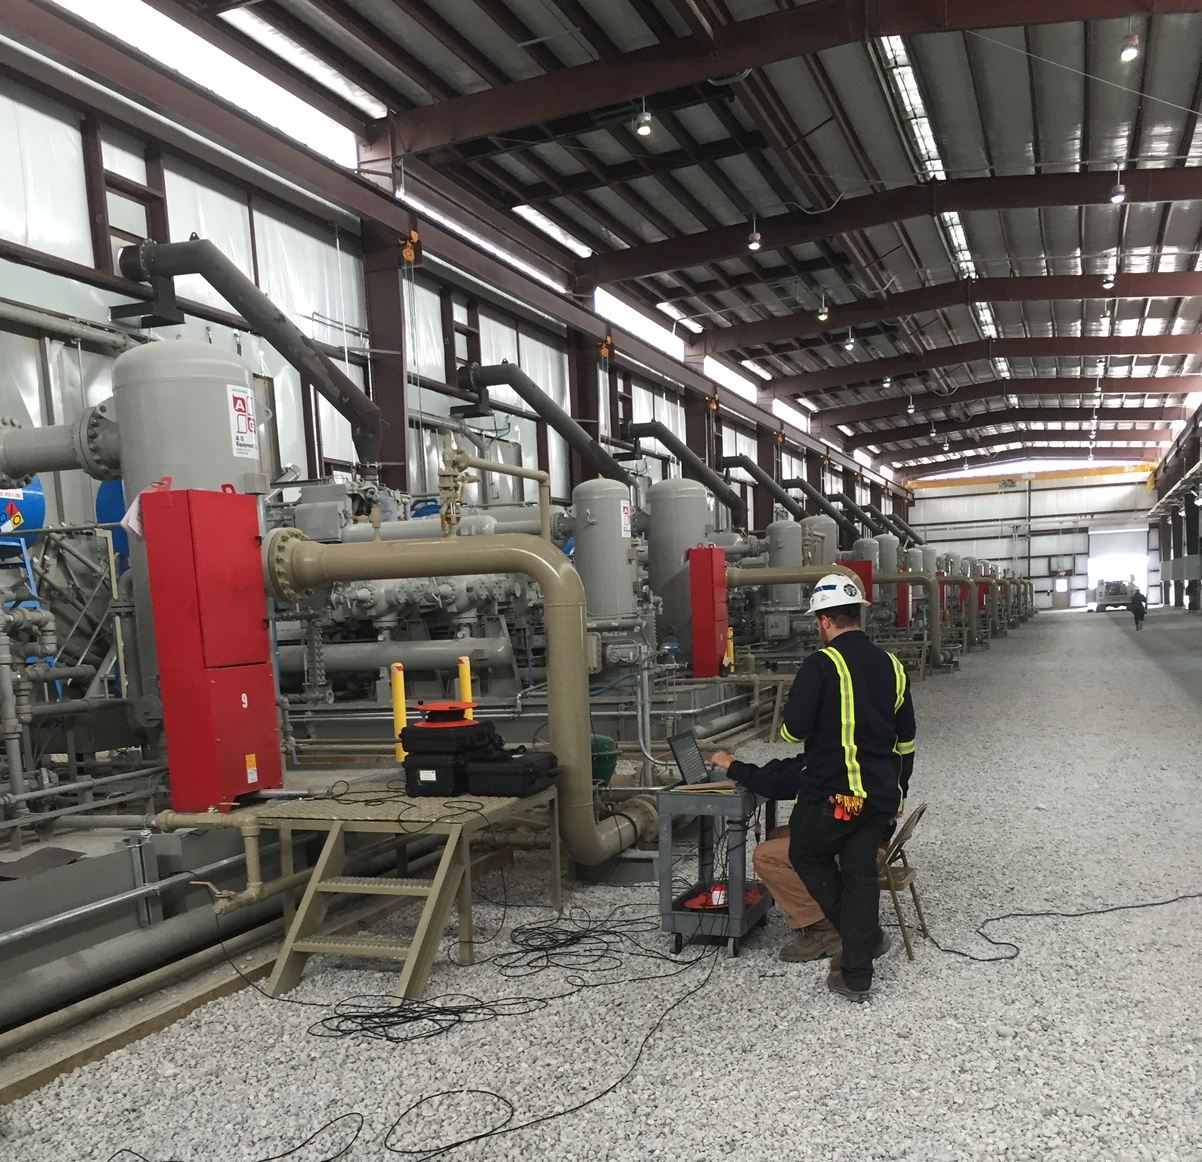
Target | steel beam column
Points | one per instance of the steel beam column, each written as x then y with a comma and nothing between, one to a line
382,265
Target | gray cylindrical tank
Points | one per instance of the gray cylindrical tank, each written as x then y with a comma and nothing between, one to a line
679,514
930,558
888,546
954,564
867,549
828,548
914,561
604,557
185,410
786,547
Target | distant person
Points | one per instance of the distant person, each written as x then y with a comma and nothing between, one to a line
850,705
1139,608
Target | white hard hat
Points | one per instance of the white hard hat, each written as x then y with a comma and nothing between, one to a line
833,590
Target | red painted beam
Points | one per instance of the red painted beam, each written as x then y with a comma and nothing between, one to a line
1067,347
998,388
882,437
963,292
1025,191
743,44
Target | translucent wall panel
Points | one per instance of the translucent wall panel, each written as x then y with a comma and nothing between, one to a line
426,350
314,277
200,204
43,200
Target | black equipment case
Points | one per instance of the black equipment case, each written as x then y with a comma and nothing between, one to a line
434,775
516,773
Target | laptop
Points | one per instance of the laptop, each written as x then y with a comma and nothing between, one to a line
694,770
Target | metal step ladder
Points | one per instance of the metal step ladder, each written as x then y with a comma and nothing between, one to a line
451,882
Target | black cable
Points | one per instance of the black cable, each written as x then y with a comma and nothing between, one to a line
1015,948
342,1153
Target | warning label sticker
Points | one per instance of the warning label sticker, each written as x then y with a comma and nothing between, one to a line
243,433
252,768
11,518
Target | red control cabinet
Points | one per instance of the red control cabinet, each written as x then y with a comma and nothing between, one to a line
215,672
707,582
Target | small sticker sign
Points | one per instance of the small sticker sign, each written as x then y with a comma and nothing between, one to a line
244,436
626,527
13,518
252,768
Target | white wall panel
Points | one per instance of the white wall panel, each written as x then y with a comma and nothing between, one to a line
200,204
312,275
43,199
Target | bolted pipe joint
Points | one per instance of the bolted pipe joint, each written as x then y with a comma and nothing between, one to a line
91,444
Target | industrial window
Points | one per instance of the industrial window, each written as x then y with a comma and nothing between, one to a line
126,193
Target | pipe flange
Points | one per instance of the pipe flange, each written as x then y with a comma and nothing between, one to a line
276,552
12,481
99,442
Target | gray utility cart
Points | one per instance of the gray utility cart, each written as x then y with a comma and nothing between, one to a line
721,849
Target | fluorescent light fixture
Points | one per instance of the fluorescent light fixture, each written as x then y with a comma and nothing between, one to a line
141,27
489,247
674,312
614,310
730,379
790,415
553,230
296,55
755,369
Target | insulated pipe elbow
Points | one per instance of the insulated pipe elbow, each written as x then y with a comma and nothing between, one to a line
823,503
931,584
294,565
511,375
199,256
795,510
696,466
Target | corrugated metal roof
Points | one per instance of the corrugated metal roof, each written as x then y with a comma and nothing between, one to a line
863,117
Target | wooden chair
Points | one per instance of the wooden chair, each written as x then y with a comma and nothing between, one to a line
896,875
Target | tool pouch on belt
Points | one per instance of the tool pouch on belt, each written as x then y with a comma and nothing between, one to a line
847,807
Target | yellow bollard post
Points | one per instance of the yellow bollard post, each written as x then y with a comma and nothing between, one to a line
730,650
465,684
400,715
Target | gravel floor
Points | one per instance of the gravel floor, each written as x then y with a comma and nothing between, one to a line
1061,772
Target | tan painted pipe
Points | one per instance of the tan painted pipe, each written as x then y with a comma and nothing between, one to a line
931,584
746,578
295,565
459,460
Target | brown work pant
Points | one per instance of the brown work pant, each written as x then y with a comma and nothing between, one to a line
772,865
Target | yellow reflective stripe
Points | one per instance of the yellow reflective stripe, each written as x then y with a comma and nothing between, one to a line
904,747
784,733
899,680
847,719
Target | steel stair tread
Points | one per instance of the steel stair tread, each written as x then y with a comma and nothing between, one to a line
376,885
385,946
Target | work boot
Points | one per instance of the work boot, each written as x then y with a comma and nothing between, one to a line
812,943
882,946
837,984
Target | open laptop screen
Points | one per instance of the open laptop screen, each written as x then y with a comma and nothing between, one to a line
689,760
